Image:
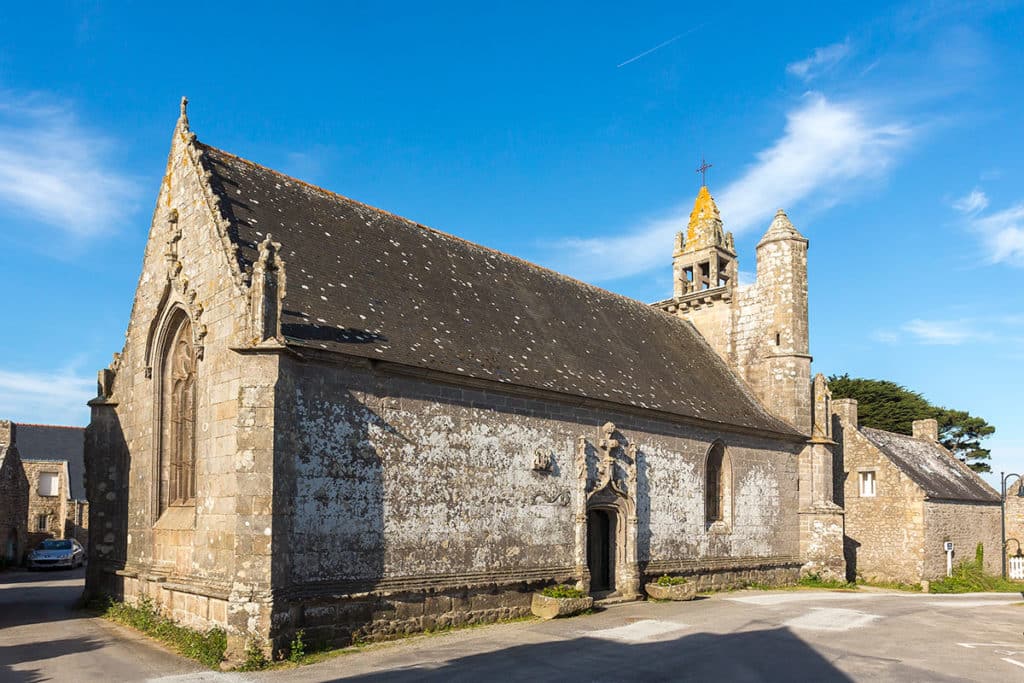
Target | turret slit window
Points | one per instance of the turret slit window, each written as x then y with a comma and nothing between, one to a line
178,418
718,485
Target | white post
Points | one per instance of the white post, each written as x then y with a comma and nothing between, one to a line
948,547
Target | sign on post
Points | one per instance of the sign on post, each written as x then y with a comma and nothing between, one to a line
948,547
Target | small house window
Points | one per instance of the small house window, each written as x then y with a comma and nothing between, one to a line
41,522
867,484
49,484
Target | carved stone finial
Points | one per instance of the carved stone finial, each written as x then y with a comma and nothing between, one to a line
183,118
268,291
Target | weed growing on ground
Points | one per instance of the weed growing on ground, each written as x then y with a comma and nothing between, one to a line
970,577
203,646
255,660
297,648
816,581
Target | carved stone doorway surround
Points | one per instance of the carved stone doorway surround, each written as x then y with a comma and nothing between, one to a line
615,495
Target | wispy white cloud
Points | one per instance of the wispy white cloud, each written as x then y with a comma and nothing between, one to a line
1002,232
944,332
1003,329
54,170
57,396
973,202
825,148
820,61
886,336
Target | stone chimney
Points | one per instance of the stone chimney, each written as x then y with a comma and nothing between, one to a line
6,433
846,409
926,429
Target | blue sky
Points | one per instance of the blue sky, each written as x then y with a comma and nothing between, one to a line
568,136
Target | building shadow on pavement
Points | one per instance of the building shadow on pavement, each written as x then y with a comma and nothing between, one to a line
13,655
766,655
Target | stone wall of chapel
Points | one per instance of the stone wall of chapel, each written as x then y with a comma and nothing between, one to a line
966,525
403,478
221,547
885,533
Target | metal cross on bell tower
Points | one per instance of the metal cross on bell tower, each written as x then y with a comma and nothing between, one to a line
703,170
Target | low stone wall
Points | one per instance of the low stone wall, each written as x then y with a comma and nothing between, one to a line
380,615
340,619
731,574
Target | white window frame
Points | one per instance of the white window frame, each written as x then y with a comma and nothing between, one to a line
52,478
868,480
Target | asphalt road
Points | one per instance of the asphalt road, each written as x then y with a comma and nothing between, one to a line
742,636
42,638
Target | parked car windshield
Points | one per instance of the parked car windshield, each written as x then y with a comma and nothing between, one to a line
55,545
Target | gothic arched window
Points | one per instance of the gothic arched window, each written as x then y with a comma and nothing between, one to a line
717,485
178,418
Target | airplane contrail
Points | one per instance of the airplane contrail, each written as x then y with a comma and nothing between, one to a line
659,46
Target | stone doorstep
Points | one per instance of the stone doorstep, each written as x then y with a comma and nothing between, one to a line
613,599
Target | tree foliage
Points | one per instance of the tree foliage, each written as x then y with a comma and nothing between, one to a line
882,404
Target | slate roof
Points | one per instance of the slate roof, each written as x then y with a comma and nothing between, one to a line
364,282
50,442
932,467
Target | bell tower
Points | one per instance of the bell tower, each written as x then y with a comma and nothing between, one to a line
704,259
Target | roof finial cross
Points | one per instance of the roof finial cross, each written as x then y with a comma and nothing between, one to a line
703,170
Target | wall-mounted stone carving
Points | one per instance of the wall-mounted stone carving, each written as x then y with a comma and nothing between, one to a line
543,461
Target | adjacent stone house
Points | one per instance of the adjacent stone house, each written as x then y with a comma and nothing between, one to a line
14,494
329,417
53,461
905,497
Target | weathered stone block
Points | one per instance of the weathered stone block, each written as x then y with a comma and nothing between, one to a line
550,608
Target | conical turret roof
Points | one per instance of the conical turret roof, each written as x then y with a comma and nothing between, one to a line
781,229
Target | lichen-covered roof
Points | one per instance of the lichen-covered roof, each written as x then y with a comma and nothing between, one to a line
52,442
365,282
932,467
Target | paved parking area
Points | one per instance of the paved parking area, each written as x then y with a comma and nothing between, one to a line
742,636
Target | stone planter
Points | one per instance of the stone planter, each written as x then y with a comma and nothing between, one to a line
680,591
549,608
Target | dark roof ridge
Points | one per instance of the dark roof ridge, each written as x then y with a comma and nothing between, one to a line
40,424
442,233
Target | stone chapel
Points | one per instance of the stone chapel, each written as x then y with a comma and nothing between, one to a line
329,417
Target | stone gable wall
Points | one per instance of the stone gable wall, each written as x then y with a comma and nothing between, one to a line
211,561
966,524
419,489
885,534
